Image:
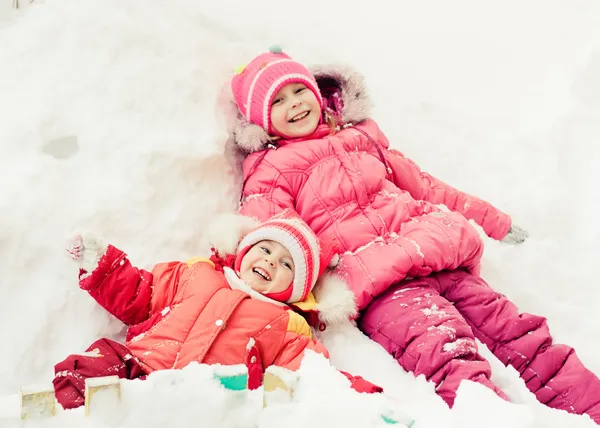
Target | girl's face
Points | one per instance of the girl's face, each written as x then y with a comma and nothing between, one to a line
295,111
267,267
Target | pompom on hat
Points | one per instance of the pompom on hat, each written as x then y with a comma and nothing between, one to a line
255,85
310,255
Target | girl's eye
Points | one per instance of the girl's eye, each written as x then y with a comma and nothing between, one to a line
265,250
276,101
299,90
287,265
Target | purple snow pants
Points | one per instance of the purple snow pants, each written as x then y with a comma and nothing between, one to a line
429,326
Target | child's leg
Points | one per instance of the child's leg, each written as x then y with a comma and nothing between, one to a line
103,358
551,371
426,335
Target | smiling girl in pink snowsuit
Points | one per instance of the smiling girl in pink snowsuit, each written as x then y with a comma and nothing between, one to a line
412,268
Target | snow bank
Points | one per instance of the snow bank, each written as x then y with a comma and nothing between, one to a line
108,124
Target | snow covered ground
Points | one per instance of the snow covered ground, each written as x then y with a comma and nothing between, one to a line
107,122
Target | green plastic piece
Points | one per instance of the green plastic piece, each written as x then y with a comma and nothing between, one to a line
234,383
391,421
388,420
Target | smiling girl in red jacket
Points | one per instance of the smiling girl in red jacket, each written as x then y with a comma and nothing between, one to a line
235,309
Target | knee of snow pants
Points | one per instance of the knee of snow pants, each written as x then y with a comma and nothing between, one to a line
553,372
427,335
104,357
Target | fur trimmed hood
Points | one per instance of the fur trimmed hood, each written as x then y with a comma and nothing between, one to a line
333,301
346,82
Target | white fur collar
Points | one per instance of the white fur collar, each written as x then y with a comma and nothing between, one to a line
227,229
335,302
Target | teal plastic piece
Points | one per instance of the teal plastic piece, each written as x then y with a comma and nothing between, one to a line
234,383
388,420
391,421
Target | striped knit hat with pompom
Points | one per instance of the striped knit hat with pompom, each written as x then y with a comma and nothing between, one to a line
256,84
311,257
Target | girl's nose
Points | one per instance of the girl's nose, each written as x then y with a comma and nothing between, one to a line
269,262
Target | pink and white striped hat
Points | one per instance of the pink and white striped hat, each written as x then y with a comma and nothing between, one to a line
256,84
311,257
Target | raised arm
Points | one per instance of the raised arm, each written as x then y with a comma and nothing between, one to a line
106,273
423,186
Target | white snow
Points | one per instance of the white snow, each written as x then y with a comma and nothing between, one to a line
227,371
107,123
434,310
37,388
457,346
101,381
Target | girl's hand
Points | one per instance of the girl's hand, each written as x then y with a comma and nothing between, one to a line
86,249
515,235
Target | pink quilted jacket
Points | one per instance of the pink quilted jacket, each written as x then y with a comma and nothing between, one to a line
378,206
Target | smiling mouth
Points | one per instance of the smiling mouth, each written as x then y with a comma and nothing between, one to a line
299,116
262,273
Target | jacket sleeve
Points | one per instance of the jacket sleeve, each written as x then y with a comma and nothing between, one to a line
296,340
423,186
120,288
266,192
292,350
